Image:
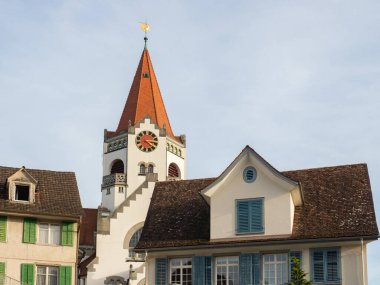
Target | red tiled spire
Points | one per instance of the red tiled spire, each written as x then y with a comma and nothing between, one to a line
144,98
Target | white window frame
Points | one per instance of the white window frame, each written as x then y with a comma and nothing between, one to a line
275,264
50,240
46,274
183,264
132,244
228,262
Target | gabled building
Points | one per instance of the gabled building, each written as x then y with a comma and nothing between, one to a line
40,212
244,226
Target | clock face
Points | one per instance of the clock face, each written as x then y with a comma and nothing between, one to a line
146,141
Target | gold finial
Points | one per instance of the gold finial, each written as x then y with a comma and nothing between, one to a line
145,27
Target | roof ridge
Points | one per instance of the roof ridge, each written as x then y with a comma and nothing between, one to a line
37,169
326,167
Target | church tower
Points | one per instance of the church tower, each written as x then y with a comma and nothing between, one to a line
144,146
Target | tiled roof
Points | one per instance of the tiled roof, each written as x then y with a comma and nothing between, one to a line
88,227
56,194
337,204
144,99
83,265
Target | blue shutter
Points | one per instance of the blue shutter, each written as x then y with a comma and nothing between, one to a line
292,254
245,268
332,265
256,269
242,214
208,271
198,270
256,215
318,266
161,271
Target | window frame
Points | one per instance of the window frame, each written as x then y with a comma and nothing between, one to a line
276,263
47,274
49,233
237,232
131,249
181,267
227,265
325,265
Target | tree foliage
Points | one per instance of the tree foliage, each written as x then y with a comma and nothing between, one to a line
298,275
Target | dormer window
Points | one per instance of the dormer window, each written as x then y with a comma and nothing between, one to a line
22,193
21,187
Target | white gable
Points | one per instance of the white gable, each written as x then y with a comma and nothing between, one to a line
278,193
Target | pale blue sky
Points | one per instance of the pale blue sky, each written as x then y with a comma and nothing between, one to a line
296,80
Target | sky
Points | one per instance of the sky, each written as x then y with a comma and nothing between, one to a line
296,80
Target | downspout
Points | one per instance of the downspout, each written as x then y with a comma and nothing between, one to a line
146,268
363,266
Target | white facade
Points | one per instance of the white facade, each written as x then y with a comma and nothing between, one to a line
125,200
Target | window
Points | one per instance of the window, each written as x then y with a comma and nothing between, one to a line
325,265
47,275
250,216
132,244
117,167
180,271
108,191
22,192
142,169
49,233
249,174
227,270
173,170
275,268
121,189
150,168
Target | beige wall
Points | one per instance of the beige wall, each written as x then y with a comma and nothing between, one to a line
278,204
351,266
14,252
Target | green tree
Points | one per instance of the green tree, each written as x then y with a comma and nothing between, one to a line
298,275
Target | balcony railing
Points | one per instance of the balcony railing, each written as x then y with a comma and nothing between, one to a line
114,179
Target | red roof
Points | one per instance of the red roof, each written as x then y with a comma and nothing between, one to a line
145,98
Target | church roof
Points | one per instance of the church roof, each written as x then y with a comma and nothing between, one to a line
337,204
144,99
57,194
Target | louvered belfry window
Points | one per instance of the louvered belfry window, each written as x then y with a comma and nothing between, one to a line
250,216
173,170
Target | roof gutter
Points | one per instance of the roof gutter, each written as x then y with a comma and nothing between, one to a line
257,243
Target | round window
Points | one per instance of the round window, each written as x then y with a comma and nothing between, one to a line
249,174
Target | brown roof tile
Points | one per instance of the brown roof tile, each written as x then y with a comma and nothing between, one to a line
56,193
337,204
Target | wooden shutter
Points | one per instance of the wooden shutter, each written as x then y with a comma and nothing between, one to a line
245,268
67,233
27,274
2,273
242,215
65,275
208,270
29,235
198,270
297,254
3,228
256,212
256,268
318,266
332,265
161,271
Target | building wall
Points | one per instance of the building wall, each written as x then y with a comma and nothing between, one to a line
111,252
14,252
278,204
351,264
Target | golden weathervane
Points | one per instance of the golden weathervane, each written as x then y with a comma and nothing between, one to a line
145,27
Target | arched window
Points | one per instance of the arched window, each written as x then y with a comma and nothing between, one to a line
117,167
150,168
173,170
133,242
142,169
179,152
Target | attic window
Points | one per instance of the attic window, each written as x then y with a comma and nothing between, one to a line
146,75
249,174
22,193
